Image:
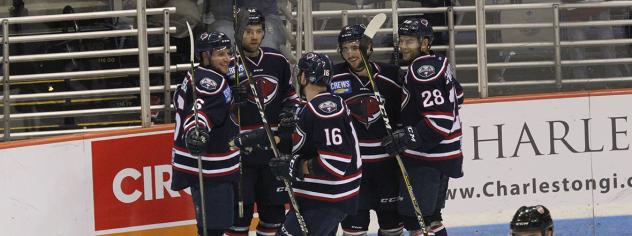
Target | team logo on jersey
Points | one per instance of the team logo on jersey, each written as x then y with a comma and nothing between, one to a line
341,87
298,139
208,84
267,88
328,107
426,71
364,108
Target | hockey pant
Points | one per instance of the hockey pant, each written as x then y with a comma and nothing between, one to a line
429,187
260,186
218,198
378,191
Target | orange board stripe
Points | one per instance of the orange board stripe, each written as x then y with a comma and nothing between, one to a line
174,231
73,137
170,231
609,92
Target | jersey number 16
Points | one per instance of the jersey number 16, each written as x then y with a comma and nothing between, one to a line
333,136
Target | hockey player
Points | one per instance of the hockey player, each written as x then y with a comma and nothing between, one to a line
430,141
380,190
532,221
207,136
326,166
271,73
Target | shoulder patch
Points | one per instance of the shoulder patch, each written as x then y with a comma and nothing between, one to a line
328,107
426,71
341,87
228,95
185,83
208,84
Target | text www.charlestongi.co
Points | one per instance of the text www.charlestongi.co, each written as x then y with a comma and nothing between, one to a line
534,186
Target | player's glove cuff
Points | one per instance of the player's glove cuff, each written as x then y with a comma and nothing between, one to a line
400,140
279,166
240,94
196,140
250,140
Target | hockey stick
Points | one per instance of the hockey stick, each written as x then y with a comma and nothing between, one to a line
241,22
240,197
195,111
370,31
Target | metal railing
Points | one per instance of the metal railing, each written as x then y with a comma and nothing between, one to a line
482,46
141,31
302,21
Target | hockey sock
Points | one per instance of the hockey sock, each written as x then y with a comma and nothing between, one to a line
241,226
438,229
214,232
357,224
353,232
271,218
390,223
237,231
267,229
391,232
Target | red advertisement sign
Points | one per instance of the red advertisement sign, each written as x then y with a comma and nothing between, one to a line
131,179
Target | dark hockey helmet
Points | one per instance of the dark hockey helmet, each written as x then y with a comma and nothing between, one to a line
350,33
418,27
207,42
317,68
529,218
256,18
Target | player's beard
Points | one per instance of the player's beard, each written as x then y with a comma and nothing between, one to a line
358,68
406,60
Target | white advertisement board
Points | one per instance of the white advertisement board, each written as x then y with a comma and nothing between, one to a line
46,190
571,155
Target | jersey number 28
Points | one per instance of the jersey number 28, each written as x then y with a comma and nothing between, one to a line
432,98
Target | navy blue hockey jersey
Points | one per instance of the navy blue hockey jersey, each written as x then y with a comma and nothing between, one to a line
364,106
431,104
325,134
272,76
214,102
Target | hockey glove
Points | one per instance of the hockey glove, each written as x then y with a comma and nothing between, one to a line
240,94
231,72
288,111
250,140
279,166
196,140
287,125
400,140
287,167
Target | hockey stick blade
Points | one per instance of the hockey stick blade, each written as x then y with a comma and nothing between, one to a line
375,24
